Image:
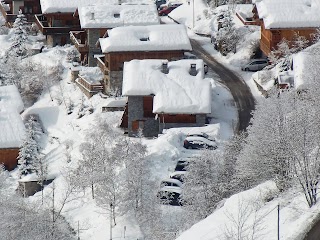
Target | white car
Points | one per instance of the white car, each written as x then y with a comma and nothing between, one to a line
171,182
255,65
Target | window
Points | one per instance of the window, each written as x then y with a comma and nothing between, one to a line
116,15
144,39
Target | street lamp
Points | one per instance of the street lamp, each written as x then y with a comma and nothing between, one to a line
192,12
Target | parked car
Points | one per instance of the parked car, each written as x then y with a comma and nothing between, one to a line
171,183
179,175
166,10
159,3
255,65
181,165
170,195
199,141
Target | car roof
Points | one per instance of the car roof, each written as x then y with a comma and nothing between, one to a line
171,189
177,173
173,181
203,139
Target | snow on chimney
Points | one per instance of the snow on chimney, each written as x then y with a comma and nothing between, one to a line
193,69
165,68
92,16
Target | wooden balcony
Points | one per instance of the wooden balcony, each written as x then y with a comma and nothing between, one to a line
44,27
88,88
9,17
78,38
102,66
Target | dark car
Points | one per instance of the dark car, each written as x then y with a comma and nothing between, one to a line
166,10
179,175
199,141
159,3
181,165
171,182
170,195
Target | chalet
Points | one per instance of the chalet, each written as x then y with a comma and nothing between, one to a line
139,42
285,19
10,9
95,20
59,17
164,94
11,126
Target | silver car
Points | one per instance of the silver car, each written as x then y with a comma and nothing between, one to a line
255,65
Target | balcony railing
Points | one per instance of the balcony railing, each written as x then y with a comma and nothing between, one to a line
78,38
90,87
9,17
102,66
44,27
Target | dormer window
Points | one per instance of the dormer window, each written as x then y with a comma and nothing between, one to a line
144,39
116,15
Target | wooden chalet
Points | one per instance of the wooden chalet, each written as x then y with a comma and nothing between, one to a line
10,9
11,126
141,42
285,20
96,19
164,94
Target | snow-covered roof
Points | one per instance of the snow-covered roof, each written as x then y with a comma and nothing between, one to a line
305,66
164,37
92,75
110,16
53,6
174,92
10,98
11,128
116,102
289,13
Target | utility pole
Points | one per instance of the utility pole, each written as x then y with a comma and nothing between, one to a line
278,221
111,221
192,14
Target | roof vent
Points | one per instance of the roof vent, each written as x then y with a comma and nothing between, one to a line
165,68
116,15
144,39
92,16
193,69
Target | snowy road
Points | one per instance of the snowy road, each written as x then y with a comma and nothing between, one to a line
238,88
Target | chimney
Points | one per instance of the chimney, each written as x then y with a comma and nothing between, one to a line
92,16
165,68
193,69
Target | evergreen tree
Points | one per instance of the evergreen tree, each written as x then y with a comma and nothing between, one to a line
19,39
29,150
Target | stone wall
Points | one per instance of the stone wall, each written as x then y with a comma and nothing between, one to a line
93,36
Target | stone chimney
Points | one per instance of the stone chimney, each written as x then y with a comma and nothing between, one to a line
193,69
165,68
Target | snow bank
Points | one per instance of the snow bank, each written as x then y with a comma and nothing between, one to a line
92,75
247,206
289,13
110,16
146,38
175,92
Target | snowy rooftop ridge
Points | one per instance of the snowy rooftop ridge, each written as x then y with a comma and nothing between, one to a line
289,13
10,98
110,16
53,6
174,92
146,38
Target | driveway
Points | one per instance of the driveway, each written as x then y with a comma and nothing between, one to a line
240,91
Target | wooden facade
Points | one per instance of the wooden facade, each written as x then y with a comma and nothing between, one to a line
89,89
270,38
10,9
57,26
8,157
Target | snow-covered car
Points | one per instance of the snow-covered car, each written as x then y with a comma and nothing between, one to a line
171,183
170,195
255,65
181,165
179,175
199,141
